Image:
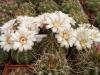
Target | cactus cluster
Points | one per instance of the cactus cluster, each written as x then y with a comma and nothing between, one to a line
47,56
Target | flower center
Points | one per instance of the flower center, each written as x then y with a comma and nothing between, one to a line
82,38
56,23
29,28
82,42
22,39
94,36
65,35
8,40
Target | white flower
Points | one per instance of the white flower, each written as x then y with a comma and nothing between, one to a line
43,20
6,42
95,34
24,18
8,26
83,38
40,37
29,23
58,21
23,40
67,38
86,25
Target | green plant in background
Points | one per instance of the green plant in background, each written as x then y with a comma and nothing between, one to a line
7,12
94,6
74,8
52,64
36,7
27,9
47,6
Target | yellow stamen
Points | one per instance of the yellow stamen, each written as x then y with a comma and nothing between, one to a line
94,36
82,42
29,28
65,35
56,23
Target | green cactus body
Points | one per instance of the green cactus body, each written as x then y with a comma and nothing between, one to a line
24,57
3,56
50,45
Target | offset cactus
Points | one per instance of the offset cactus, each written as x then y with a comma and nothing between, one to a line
3,56
52,64
24,57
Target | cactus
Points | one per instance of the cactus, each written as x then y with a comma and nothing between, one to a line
52,64
50,45
3,56
25,57
49,62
